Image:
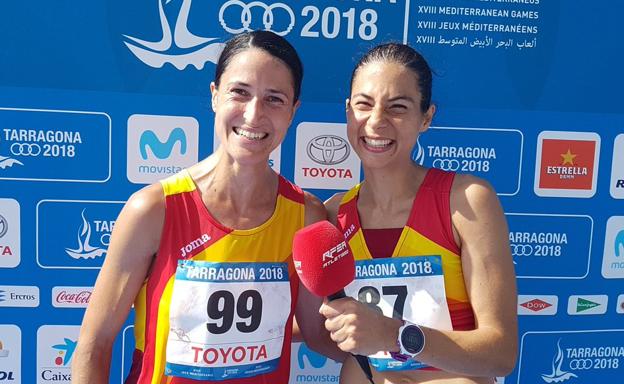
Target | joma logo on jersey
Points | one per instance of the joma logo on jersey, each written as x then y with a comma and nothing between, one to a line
335,254
193,245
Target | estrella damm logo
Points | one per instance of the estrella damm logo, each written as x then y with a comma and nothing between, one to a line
160,146
567,164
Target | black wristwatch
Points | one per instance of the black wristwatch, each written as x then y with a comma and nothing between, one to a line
411,342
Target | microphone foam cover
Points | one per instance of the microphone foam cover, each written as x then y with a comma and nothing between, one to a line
322,258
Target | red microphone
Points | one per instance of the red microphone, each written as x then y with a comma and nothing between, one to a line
325,265
323,260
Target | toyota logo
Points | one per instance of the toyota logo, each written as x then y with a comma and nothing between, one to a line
578,364
446,164
25,149
4,226
328,149
267,17
521,250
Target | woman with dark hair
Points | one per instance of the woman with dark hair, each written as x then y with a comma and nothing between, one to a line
206,254
436,287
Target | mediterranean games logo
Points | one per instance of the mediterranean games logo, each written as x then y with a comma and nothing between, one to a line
160,146
178,45
557,375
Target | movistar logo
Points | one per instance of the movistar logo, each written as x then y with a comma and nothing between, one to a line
619,244
314,359
584,305
159,149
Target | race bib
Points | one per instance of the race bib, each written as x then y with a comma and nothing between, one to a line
227,320
409,288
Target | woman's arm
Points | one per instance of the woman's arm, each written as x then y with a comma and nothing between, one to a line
309,320
134,242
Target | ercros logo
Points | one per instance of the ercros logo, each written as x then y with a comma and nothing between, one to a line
159,146
180,48
567,164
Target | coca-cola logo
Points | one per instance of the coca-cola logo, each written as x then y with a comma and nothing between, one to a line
81,297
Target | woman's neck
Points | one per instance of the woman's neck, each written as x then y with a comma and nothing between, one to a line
238,195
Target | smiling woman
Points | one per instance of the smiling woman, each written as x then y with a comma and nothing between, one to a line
443,310
206,254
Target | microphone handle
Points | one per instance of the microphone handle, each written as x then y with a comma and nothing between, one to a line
361,360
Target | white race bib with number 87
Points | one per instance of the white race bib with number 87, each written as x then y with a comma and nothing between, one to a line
227,320
409,288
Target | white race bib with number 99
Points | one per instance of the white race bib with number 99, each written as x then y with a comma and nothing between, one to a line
409,288
227,320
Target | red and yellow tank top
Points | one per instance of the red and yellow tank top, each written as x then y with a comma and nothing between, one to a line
217,273
428,231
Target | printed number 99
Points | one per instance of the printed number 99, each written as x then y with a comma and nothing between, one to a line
331,19
221,305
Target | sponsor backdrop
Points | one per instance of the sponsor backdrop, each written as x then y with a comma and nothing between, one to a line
98,99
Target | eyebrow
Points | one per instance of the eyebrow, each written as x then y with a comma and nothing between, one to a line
243,84
396,98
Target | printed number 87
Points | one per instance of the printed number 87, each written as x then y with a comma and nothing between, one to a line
371,297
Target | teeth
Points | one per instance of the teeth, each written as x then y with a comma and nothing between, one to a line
377,142
249,134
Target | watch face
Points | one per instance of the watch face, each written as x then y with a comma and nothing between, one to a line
412,339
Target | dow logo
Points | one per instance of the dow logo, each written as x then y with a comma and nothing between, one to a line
159,146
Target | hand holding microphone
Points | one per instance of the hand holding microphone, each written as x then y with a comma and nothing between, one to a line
325,265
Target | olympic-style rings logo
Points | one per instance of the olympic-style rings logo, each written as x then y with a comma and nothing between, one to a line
25,149
580,364
521,250
267,16
446,164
